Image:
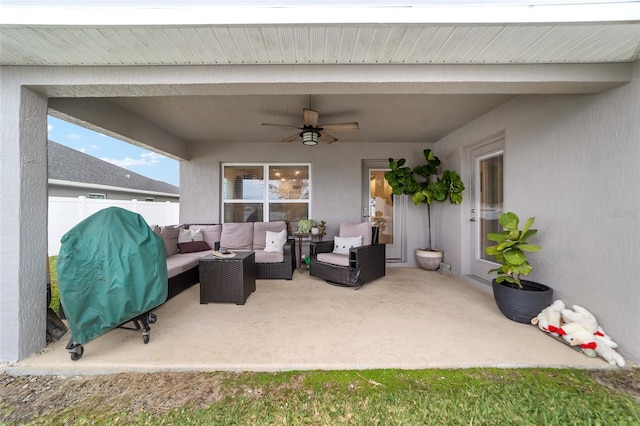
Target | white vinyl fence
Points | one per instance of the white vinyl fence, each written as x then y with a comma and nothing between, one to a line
67,212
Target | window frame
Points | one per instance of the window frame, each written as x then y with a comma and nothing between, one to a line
266,201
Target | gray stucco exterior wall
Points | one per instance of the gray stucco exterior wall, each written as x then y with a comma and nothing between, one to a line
572,162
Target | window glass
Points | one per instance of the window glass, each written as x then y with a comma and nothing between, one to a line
246,198
243,183
243,212
288,183
292,212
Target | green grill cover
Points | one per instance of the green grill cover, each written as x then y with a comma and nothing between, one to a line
111,268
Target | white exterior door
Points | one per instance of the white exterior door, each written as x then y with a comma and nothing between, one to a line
487,202
385,211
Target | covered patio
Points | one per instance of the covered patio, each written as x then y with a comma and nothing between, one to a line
410,319
556,85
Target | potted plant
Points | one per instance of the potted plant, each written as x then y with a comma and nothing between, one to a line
305,225
424,186
519,300
322,226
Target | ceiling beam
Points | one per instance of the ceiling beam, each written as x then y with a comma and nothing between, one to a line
107,118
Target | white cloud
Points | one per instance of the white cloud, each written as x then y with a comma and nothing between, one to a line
74,136
95,147
152,157
49,128
146,159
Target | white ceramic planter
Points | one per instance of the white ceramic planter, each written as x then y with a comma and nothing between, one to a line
428,259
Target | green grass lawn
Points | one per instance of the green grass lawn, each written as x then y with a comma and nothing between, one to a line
53,276
368,397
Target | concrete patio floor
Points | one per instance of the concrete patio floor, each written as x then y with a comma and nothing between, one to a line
411,319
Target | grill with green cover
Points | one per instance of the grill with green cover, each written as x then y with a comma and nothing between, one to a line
111,270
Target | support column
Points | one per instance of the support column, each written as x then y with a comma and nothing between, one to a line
23,219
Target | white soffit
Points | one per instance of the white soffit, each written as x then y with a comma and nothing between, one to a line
303,32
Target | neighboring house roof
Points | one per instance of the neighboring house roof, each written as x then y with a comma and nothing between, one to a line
68,164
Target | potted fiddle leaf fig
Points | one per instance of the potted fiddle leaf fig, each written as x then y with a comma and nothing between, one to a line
424,185
519,300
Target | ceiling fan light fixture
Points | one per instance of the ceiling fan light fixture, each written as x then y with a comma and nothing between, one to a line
310,137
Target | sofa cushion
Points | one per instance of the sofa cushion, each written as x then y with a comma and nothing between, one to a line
334,258
276,241
179,263
260,232
341,245
193,246
169,236
268,257
237,236
210,233
355,229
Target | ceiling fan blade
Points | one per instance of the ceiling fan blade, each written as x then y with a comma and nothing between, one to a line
310,117
281,125
326,137
341,127
291,138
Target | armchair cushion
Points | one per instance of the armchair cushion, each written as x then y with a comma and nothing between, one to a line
357,229
334,258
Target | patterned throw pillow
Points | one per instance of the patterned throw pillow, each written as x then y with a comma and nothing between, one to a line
341,245
188,235
275,241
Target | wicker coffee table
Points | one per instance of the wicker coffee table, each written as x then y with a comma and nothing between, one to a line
227,280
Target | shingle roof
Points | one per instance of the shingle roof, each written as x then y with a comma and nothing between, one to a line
72,165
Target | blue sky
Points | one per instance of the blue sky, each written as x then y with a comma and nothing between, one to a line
115,151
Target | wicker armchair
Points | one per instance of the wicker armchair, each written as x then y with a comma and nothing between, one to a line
361,265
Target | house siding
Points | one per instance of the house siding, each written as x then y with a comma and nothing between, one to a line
572,162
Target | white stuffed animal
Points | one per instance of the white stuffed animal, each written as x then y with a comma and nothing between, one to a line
550,316
592,344
581,315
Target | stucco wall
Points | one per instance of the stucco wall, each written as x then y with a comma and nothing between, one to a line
572,162
335,180
23,165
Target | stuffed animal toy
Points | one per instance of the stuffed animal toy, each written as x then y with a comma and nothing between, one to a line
592,344
581,315
550,316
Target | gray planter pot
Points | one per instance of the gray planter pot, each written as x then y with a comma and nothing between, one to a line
521,305
428,259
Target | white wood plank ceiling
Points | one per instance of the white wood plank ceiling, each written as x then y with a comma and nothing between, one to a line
322,44
528,47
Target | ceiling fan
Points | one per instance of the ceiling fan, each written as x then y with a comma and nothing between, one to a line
311,132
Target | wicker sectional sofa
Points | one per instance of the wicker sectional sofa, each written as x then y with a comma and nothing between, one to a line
183,258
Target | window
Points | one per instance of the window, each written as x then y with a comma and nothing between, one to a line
97,196
264,192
